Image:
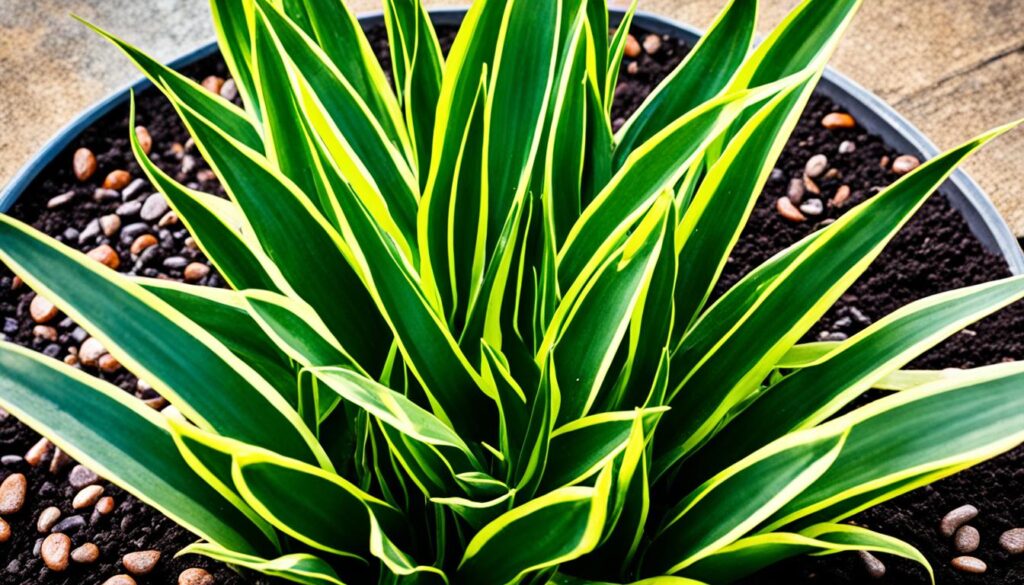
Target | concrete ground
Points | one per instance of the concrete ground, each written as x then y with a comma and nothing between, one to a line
953,67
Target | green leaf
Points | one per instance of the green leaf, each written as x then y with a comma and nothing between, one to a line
739,498
544,532
816,392
153,341
75,410
299,568
706,71
921,434
231,21
615,53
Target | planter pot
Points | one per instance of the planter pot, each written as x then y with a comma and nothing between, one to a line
870,111
968,209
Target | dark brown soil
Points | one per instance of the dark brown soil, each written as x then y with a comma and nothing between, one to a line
935,252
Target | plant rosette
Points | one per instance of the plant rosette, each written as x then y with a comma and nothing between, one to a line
469,334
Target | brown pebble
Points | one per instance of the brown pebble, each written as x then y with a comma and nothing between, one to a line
789,211
117,180
55,551
91,351
44,332
141,562
213,83
837,120
12,493
796,191
652,44
632,47
87,496
142,242
967,539
957,518
195,576
35,454
16,283
811,186
145,140
86,554
105,505
972,565
816,165
884,162
108,363
633,68
106,256
110,224
842,196
169,218
5,531
71,359
196,271
205,176
905,163
84,164
156,403
42,310
874,567
1012,541
120,580
47,519
60,460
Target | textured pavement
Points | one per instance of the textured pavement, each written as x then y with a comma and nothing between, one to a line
953,67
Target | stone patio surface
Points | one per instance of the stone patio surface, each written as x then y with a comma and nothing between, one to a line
953,67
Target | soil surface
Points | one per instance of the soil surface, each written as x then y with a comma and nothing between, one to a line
935,252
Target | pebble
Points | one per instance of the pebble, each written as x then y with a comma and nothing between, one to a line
841,196
42,310
134,230
129,209
972,565
811,186
110,224
44,332
70,524
92,229
847,147
632,69
60,200
816,165
141,562
9,460
632,48
60,459
207,175
145,140
117,180
48,519
35,454
967,539
120,580
105,505
884,162
84,164
1012,541
91,351
213,84
905,163
134,188
154,207
87,496
156,403
106,256
169,218
957,518
874,567
195,576
5,531
188,164
837,120
652,44
175,263
229,90
196,271
12,493
789,211
108,363
105,195
812,207
86,554
55,551
796,191
81,476
142,242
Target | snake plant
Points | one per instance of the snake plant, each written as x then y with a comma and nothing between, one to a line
469,335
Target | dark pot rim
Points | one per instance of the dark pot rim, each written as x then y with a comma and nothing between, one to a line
871,112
